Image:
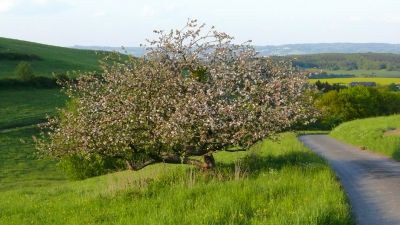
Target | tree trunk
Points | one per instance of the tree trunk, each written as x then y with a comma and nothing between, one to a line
207,163
137,166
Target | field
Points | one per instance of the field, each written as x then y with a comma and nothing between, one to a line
276,183
362,73
380,134
49,58
21,107
378,80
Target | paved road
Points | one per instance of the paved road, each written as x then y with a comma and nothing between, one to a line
371,181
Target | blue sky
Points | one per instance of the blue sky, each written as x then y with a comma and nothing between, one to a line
129,22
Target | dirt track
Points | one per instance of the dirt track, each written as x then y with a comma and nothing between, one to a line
371,181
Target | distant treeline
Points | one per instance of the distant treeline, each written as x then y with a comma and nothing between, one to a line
354,61
13,56
36,82
324,75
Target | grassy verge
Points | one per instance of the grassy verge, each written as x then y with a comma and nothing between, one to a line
372,134
274,183
21,107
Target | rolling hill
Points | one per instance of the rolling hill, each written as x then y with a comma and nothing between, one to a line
45,59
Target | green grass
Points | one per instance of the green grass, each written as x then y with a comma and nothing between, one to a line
274,183
53,59
19,166
21,107
378,80
370,134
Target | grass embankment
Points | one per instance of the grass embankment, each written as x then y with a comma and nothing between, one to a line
45,59
377,80
21,107
380,134
274,183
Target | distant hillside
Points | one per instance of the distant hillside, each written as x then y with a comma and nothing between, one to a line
353,61
45,59
135,51
301,49
290,49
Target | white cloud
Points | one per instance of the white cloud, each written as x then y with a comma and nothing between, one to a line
6,5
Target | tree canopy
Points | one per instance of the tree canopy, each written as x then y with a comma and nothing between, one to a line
193,93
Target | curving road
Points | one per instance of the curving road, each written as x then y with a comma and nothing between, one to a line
371,181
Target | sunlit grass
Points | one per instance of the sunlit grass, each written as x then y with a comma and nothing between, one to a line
370,134
20,107
274,183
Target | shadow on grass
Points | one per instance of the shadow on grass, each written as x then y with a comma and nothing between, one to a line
254,164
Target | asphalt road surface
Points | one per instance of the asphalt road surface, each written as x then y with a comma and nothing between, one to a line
371,181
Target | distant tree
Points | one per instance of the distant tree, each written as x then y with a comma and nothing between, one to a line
194,93
24,71
326,87
355,103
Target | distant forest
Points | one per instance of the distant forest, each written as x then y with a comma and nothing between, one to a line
341,61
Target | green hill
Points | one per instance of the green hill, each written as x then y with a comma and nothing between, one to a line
45,59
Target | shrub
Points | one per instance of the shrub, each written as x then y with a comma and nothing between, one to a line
24,71
355,103
79,167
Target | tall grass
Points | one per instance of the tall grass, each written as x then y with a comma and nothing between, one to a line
273,183
370,134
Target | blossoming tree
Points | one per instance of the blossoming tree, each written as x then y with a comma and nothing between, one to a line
193,93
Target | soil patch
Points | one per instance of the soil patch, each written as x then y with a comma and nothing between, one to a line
392,132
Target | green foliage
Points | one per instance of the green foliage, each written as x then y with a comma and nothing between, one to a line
355,103
274,183
372,134
325,86
78,167
24,71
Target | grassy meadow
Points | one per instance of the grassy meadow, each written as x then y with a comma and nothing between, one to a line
274,183
21,107
378,80
20,167
50,58
380,134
